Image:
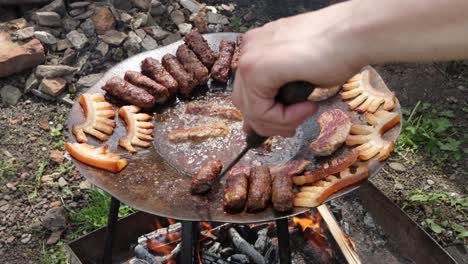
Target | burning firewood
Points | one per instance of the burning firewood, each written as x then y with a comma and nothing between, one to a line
142,253
365,95
98,120
245,247
312,196
139,129
99,157
369,137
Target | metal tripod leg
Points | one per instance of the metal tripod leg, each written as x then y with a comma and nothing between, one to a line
283,240
111,221
189,238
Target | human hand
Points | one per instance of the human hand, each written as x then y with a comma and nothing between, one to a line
310,47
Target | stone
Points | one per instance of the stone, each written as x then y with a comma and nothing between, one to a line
89,80
15,57
103,48
31,83
85,185
77,39
141,33
57,156
76,12
62,182
24,33
79,4
49,19
54,219
229,7
430,182
125,17
70,24
215,28
249,16
85,15
63,44
57,6
47,179
52,71
122,4
103,20
143,5
69,57
214,18
398,186
10,95
16,24
52,87
113,37
177,17
184,28
157,8
25,238
10,240
149,43
200,22
4,206
45,37
132,44
118,54
192,5
140,20
171,39
157,32
54,237
397,166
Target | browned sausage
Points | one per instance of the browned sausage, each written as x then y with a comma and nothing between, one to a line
129,93
160,93
220,70
192,64
153,69
198,44
235,193
184,79
259,189
237,54
203,179
282,193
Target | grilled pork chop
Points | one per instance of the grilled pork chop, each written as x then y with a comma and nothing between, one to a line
334,128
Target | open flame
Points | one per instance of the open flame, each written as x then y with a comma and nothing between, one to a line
166,244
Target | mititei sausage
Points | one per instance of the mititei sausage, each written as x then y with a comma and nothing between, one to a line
184,79
235,193
153,69
192,64
259,189
129,93
160,93
282,193
237,54
198,44
222,65
203,179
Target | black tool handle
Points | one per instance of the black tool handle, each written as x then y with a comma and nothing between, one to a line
290,93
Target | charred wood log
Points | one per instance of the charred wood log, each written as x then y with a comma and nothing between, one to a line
142,253
262,240
245,248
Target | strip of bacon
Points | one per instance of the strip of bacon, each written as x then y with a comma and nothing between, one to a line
326,169
365,95
98,122
139,129
210,110
334,128
198,133
369,137
289,168
99,157
315,195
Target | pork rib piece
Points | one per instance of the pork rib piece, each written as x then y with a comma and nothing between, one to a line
334,128
203,179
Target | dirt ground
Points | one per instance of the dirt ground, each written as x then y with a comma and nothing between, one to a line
30,130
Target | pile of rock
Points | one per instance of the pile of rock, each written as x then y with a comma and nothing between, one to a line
69,46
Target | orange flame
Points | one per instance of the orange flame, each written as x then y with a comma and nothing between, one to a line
308,221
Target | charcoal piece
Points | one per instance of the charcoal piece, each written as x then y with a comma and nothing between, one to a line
226,252
262,240
271,254
142,253
240,258
214,248
245,248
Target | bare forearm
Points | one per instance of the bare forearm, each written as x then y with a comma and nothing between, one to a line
408,31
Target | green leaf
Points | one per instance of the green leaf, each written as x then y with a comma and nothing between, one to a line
440,125
419,198
447,113
434,226
462,235
444,223
458,228
450,144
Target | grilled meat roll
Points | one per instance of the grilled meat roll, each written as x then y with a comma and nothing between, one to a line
259,189
198,44
192,64
160,93
220,70
237,54
154,70
282,193
184,79
203,179
235,193
129,93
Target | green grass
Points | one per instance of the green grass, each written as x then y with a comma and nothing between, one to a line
236,23
431,130
8,169
440,221
94,215
53,255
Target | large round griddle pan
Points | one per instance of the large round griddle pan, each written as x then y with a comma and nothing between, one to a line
157,179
